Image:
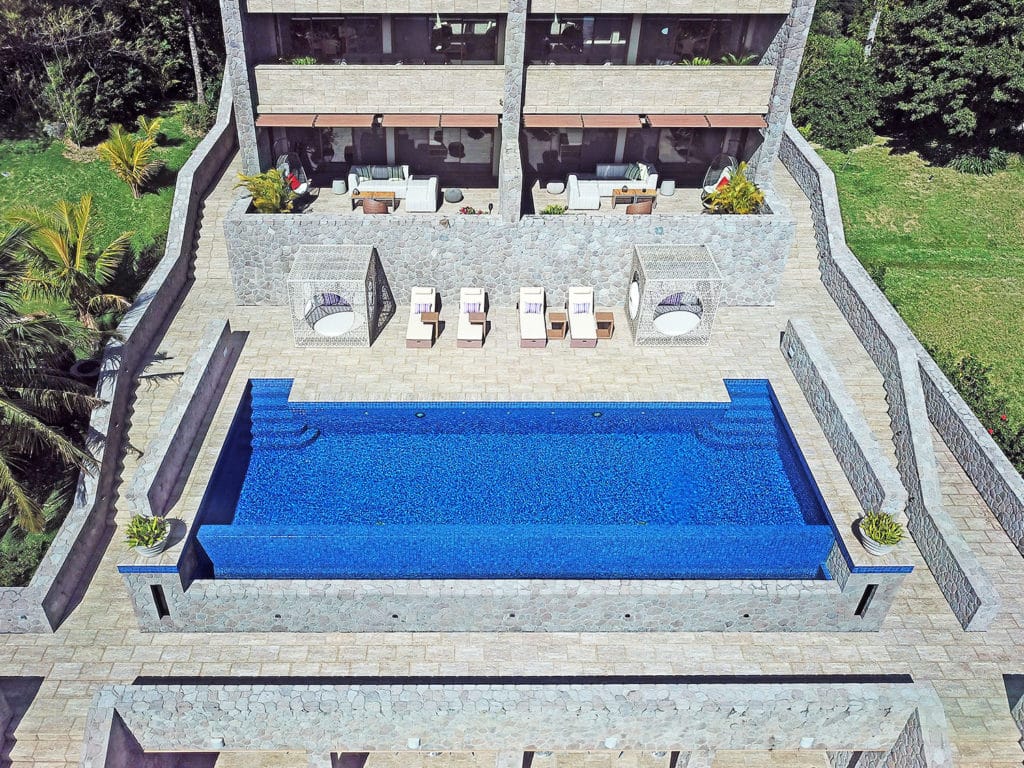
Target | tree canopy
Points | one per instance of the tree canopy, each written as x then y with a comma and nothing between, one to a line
954,70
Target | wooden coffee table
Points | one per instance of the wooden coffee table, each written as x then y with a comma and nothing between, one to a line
383,197
605,324
630,196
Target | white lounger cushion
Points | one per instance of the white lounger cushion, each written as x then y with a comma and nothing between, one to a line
470,331
532,325
418,330
582,325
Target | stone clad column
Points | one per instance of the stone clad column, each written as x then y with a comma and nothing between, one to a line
510,164
787,68
242,88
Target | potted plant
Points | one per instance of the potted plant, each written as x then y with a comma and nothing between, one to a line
740,195
147,535
879,533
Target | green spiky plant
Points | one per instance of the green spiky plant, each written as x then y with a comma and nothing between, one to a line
553,210
697,61
733,60
740,195
133,158
880,527
143,531
65,263
268,191
37,398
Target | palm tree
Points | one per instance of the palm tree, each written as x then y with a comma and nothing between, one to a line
35,395
64,261
132,159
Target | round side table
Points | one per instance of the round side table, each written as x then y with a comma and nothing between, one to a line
555,187
339,186
668,187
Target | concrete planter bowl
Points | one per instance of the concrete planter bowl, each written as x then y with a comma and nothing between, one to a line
154,550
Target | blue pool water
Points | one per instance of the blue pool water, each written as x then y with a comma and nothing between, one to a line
513,490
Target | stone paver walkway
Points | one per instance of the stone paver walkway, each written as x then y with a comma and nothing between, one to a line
100,643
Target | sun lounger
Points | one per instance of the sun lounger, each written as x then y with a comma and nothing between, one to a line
472,317
422,318
582,321
532,330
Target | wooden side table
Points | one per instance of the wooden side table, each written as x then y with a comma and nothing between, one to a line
431,318
558,322
605,324
384,197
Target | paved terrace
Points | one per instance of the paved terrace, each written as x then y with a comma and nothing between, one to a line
100,643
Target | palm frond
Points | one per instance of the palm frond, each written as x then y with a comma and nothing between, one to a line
14,499
27,434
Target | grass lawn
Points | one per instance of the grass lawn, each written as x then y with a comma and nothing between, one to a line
37,173
953,249
34,172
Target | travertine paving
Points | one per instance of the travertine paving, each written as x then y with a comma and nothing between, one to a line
100,643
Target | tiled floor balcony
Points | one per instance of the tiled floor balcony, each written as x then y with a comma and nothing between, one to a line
478,198
685,200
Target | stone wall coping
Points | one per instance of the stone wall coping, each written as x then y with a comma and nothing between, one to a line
40,606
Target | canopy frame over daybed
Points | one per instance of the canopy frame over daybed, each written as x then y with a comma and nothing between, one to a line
666,280
339,296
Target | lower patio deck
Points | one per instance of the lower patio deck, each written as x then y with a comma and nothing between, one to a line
100,642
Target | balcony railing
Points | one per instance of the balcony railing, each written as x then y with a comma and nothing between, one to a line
648,89
348,88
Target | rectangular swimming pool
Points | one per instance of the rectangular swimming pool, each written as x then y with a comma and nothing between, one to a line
513,490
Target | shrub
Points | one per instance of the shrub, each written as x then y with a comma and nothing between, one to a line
982,162
133,159
732,60
880,527
837,95
303,61
554,210
145,531
971,378
197,119
268,190
697,61
470,210
740,195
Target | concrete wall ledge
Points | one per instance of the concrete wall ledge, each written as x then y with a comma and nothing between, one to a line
872,475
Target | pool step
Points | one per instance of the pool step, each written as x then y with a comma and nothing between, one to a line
298,435
741,428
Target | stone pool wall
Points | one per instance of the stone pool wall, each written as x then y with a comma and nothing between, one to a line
508,605
42,605
902,721
450,252
898,356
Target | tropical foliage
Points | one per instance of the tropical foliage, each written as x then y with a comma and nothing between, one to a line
38,401
945,78
836,99
133,158
65,261
740,195
268,190
880,527
76,67
143,531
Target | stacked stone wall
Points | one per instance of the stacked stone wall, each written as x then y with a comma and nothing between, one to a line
500,256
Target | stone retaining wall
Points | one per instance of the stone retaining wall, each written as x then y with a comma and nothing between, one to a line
450,252
855,600
897,354
198,395
871,474
905,720
41,606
